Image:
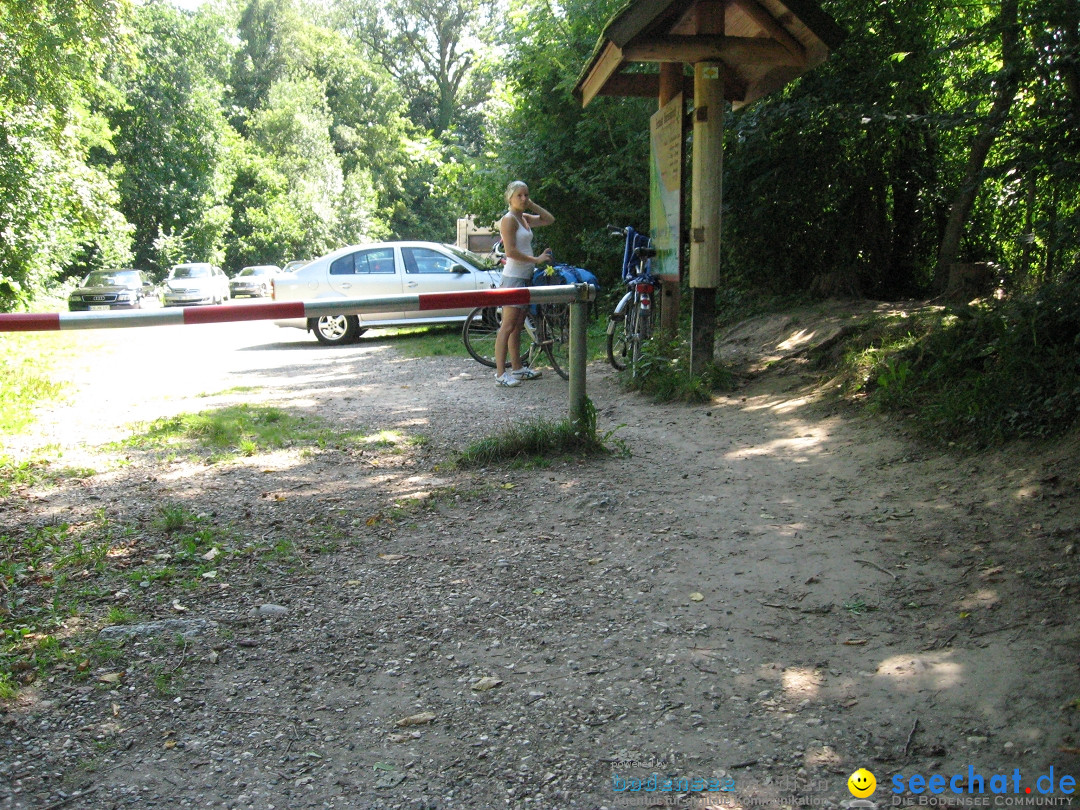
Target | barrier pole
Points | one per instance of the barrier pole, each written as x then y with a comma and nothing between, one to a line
579,312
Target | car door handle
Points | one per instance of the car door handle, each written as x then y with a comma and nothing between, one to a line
413,284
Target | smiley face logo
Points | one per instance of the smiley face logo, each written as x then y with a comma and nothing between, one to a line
862,783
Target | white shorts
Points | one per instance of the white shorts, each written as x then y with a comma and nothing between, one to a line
510,282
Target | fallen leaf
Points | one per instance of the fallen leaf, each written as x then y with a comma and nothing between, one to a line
508,485
391,557
177,606
697,597
371,521
855,642
595,561
415,719
169,744
486,683
212,553
210,575
111,677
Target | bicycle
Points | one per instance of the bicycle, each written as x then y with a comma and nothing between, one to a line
630,325
546,332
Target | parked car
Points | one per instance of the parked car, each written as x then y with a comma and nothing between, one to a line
126,288
294,265
198,283
385,268
255,281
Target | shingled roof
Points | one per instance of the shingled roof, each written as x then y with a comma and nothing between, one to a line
760,45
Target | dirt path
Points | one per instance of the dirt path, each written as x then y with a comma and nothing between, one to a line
767,594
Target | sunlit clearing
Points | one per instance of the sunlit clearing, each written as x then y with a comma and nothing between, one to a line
823,756
982,598
384,437
800,682
784,447
917,671
800,338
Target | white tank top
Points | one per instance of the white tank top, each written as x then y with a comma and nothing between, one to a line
523,241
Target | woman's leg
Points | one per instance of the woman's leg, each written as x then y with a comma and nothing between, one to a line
509,339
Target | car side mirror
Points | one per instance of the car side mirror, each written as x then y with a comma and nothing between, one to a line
459,268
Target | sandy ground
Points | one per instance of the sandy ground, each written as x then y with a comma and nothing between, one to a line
766,593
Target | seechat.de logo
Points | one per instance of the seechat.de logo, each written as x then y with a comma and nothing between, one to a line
862,784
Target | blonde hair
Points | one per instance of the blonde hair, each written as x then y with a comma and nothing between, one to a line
513,188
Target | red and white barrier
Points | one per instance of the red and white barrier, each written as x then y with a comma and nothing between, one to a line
286,310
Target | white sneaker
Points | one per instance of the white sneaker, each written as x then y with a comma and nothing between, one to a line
526,373
507,380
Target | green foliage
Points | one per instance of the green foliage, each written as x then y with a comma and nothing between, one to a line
171,139
982,374
663,374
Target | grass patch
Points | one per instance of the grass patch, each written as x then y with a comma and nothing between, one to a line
536,442
429,341
234,431
59,583
26,363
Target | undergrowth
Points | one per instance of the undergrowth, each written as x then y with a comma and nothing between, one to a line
977,375
663,374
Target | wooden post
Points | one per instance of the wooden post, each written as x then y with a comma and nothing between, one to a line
579,319
707,195
670,86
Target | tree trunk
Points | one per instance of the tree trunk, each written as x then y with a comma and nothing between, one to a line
1008,79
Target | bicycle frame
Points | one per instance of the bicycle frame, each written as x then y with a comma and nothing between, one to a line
633,313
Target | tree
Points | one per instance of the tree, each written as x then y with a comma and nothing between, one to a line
55,208
173,144
1006,84
433,48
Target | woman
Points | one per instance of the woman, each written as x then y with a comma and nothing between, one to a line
516,231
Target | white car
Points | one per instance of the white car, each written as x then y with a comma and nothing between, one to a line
197,283
385,268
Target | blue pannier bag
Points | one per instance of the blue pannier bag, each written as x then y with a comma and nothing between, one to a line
567,274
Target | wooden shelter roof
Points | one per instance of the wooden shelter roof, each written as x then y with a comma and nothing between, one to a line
761,45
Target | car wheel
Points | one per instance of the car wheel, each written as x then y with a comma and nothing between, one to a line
334,330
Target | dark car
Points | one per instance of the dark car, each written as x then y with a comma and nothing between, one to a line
255,281
114,289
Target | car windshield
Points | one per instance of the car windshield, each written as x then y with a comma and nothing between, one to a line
475,259
112,278
190,272
255,271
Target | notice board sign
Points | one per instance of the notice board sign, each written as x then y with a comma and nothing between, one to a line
665,187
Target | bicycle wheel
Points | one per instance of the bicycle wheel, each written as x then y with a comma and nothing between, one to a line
618,344
479,333
642,331
555,327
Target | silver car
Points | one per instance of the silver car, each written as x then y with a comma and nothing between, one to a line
197,283
255,281
385,268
